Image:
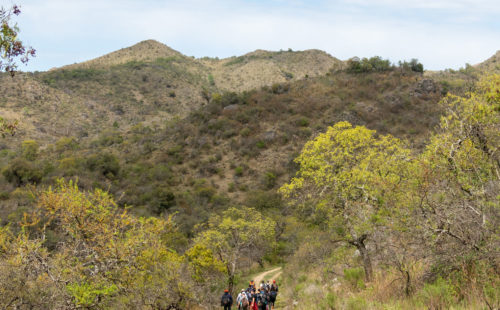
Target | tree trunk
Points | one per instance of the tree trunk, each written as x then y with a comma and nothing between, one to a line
230,283
231,269
359,243
407,284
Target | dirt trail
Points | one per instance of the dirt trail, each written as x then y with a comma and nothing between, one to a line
262,275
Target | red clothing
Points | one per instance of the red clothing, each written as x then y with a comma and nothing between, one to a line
255,307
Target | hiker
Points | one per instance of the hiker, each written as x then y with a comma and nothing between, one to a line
254,300
249,295
273,293
242,300
274,286
251,284
262,285
227,300
268,286
263,299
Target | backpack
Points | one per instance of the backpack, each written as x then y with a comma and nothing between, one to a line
261,300
244,301
226,301
265,298
273,295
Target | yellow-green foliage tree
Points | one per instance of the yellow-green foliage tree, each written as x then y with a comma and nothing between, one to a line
240,236
99,257
347,182
459,182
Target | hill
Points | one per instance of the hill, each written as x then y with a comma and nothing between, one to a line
185,145
236,148
490,65
148,50
148,82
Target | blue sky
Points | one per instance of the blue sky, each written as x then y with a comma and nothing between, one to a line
440,33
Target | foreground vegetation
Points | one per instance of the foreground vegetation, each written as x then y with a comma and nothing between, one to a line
400,228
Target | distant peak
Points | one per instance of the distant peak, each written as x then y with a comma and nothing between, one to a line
150,42
147,50
153,45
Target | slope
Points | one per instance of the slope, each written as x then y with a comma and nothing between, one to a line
235,149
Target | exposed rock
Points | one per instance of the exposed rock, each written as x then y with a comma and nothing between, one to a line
269,135
231,107
426,86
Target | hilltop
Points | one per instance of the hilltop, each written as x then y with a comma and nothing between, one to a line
148,50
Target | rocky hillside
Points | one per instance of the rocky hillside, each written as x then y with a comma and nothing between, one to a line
148,82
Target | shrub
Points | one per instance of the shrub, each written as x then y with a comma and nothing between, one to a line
163,199
211,80
357,303
110,137
269,180
278,88
261,144
303,122
30,149
329,301
238,171
21,172
438,295
66,144
69,165
262,200
104,163
287,75
245,132
355,277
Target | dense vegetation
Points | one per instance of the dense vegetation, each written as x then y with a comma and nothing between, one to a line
429,219
370,213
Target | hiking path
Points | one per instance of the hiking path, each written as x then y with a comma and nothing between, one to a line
266,275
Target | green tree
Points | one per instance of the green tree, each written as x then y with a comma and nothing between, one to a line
30,149
11,48
21,172
346,183
239,233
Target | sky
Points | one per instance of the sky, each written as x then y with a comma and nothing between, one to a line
440,33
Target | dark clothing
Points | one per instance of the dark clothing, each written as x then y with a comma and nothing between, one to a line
254,301
272,296
262,300
226,301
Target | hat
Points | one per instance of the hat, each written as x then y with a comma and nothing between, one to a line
226,291
242,290
274,281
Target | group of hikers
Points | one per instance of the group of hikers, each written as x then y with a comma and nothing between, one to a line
253,298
